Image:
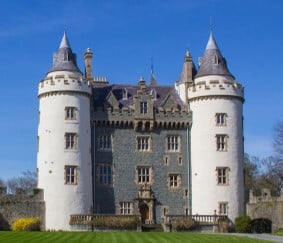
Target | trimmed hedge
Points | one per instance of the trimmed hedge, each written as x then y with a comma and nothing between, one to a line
122,223
26,224
184,224
243,224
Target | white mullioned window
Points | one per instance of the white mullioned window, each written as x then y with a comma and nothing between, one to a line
174,180
223,208
71,140
222,175
104,142
220,119
144,174
143,107
143,143
172,143
71,175
126,208
104,174
221,142
70,113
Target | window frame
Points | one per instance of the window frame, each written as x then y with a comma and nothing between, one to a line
104,142
143,107
126,208
144,175
221,119
221,142
71,175
70,113
173,143
174,181
143,143
104,175
223,208
222,175
71,141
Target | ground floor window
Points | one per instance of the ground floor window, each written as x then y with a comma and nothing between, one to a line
126,208
223,208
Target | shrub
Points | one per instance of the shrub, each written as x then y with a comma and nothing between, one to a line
114,222
26,224
243,224
184,224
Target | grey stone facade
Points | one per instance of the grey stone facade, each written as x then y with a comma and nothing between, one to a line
122,121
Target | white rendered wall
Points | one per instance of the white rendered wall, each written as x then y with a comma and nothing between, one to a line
205,101
180,88
62,200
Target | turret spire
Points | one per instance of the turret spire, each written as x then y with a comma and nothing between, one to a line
64,42
212,62
64,59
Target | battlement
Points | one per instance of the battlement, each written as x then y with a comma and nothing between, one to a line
215,87
64,82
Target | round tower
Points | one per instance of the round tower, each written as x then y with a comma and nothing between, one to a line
216,101
64,140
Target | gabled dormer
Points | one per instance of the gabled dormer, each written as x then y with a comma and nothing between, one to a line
111,103
169,104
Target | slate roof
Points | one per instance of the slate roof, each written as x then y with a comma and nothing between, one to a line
100,94
212,62
64,59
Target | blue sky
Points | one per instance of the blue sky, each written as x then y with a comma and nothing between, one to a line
124,35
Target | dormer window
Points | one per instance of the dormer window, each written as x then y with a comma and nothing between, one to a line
143,107
215,60
125,94
66,56
153,94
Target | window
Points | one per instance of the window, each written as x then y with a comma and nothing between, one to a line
166,160
126,208
174,180
143,143
164,211
104,142
71,175
104,174
187,211
172,143
223,208
144,175
221,142
221,119
180,161
143,107
222,175
70,113
71,140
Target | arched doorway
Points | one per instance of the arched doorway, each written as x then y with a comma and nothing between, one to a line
144,211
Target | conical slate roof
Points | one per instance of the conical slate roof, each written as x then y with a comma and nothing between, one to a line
64,59
212,62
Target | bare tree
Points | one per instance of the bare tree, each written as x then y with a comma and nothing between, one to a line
26,182
278,139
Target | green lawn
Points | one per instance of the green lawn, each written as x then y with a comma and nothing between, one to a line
131,237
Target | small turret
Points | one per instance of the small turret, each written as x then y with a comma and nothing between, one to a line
88,63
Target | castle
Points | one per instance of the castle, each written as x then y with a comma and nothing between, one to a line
141,149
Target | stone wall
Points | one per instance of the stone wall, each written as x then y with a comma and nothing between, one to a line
19,205
266,206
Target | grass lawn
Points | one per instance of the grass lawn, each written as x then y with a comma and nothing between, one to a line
131,237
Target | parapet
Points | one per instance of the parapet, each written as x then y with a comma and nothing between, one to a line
64,82
215,86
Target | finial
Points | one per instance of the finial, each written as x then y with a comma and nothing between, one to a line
151,66
141,79
210,25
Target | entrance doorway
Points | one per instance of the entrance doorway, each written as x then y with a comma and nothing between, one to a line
144,211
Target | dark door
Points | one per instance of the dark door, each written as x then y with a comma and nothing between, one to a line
144,211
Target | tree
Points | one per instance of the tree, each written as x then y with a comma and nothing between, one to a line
278,140
27,182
